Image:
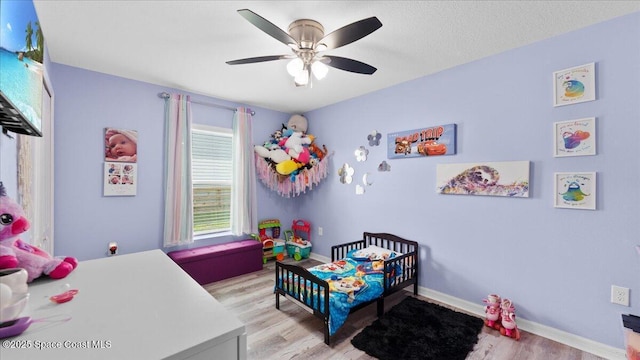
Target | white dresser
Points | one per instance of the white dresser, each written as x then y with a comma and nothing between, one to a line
135,306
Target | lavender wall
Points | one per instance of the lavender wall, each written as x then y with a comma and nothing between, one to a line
86,221
557,265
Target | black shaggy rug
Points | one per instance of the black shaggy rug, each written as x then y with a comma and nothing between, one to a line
416,329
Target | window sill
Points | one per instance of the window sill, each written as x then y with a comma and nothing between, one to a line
211,235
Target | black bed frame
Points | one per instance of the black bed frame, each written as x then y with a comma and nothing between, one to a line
301,279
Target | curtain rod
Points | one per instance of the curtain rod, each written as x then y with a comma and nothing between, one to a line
165,95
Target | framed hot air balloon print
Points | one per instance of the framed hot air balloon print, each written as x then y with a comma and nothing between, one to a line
575,190
574,137
574,85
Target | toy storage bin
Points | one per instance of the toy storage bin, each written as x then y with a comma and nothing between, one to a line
221,261
632,336
298,251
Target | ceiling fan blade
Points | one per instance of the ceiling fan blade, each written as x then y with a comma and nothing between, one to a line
266,26
349,65
350,33
258,59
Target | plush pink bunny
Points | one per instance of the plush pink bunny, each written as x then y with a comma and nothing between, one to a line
15,253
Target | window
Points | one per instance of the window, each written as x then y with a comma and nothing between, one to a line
211,169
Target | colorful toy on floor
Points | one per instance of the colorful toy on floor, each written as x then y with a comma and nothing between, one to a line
501,315
271,224
492,311
509,327
16,253
301,226
272,246
298,240
298,247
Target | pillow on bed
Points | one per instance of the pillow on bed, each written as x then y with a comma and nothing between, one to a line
372,252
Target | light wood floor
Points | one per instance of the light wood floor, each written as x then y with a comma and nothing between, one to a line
293,333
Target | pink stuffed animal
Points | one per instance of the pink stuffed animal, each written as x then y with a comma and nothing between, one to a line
15,253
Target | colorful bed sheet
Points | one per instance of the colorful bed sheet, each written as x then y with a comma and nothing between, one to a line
351,283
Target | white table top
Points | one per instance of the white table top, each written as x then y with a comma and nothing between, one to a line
135,306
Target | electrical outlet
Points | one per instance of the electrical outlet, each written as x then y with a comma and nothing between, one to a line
619,295
320,231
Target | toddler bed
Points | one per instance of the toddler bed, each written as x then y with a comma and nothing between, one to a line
360,273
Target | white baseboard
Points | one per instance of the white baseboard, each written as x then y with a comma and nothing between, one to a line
563,337
322,259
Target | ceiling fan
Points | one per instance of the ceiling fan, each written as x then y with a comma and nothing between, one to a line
307,40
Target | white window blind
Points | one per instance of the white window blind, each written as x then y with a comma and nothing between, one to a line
211,168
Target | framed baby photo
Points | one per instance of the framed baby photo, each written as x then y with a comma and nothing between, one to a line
574,137
120,145
120,179
575,190
574,85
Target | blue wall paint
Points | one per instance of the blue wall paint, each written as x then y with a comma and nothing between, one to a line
557,265
86,221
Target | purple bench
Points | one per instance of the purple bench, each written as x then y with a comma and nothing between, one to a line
221,261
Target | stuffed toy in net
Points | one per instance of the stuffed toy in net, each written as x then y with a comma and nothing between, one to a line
16,253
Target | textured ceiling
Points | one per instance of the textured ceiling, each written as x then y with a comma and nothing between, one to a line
184,44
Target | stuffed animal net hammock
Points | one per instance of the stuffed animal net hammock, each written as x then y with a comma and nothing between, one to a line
287,185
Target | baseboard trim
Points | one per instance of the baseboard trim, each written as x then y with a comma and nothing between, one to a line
322,259
563,337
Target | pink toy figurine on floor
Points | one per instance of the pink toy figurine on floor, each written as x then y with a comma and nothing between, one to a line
15,253
492,311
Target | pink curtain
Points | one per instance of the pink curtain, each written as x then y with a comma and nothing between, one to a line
244,212
178,214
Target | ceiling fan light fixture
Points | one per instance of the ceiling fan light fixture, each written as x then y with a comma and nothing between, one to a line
295,66
306,39
302,79
320,47
319,70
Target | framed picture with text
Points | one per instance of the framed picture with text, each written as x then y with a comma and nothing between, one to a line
575,190
574,137
574,85
426,142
